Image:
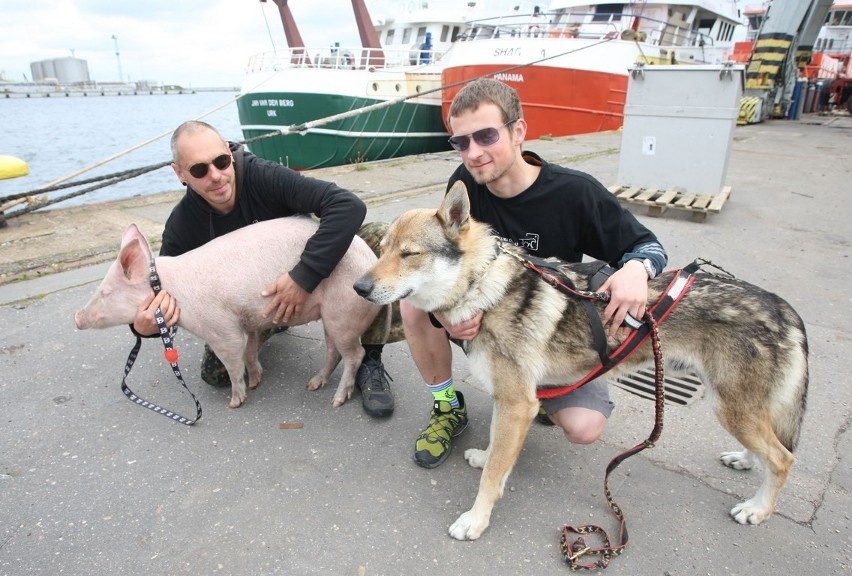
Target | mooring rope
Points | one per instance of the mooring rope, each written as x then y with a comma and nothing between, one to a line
114,178
105,181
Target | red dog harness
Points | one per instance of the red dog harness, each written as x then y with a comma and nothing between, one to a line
676,289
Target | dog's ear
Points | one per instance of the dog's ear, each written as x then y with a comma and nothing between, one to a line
454,213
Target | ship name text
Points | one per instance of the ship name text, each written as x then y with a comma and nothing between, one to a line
504,52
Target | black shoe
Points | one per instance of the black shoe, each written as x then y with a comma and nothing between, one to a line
372,381
543,418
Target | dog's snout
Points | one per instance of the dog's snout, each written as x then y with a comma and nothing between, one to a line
363,286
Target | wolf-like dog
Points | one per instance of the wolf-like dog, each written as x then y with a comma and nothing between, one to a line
748,345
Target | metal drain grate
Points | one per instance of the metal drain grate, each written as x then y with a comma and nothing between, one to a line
682,390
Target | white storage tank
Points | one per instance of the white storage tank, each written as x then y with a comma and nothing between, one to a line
68,70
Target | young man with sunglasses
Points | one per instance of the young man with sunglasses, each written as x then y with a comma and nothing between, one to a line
227,188
553,212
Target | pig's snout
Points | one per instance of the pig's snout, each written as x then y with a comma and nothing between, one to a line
364,286
81,320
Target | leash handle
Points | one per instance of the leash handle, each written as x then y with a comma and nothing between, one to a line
150,405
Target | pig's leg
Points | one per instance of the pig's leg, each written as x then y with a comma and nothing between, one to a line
230,347
255,370
332,359
236,371
344,326
352,352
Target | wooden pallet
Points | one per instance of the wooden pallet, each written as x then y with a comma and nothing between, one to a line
658,201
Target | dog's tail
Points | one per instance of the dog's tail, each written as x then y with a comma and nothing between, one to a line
791,394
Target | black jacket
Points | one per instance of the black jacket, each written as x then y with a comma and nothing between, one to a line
267,190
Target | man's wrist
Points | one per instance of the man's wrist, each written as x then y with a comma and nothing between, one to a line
649,268
646,263
137,333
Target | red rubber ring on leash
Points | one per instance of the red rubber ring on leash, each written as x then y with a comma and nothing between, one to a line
171,355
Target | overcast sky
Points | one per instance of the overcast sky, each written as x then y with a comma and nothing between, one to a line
195,43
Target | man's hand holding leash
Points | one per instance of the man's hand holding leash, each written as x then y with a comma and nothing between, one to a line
628,294
145,322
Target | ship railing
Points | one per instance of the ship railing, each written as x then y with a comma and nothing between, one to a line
343,58
833,45
586,25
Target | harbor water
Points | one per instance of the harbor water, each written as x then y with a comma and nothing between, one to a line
59,136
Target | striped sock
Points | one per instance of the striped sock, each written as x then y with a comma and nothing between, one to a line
445,392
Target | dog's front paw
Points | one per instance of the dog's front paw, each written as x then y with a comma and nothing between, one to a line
476,458
742,460
750,512
468,526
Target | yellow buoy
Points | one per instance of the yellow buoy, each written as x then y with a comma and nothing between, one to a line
12,167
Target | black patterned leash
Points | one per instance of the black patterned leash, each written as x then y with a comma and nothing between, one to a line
171,354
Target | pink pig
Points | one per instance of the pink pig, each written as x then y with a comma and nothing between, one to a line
218,287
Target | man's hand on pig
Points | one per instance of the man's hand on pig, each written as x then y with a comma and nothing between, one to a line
145,322
288,299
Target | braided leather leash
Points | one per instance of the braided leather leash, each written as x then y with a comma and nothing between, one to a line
572,552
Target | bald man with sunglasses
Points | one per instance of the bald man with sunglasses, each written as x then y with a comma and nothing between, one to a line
551,211
227,188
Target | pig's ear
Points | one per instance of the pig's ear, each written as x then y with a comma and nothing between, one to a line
132,233
133,260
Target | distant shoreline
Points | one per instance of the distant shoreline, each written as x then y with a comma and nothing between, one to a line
68,92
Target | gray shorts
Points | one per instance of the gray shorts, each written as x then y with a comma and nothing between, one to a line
593,395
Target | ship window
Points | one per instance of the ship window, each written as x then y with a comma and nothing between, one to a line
421,35
389,40
445,31
607,12
847,19
406,36
455,36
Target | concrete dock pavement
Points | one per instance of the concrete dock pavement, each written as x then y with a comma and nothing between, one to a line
91,483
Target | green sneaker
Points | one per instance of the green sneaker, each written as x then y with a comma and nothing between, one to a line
436,442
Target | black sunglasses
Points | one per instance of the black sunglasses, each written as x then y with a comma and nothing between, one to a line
220,162
484,137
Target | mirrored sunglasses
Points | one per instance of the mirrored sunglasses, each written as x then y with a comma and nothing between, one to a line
220,162
484,137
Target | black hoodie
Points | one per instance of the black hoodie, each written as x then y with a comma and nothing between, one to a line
267,190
